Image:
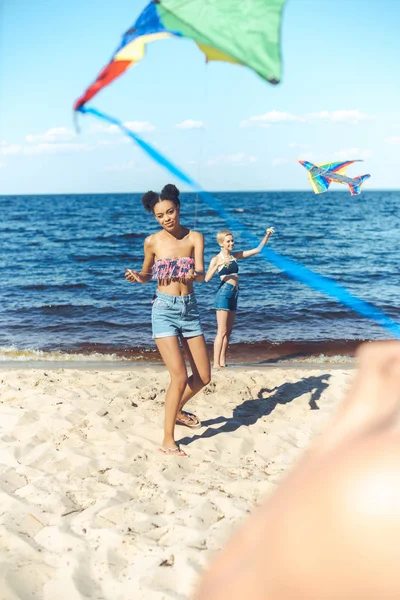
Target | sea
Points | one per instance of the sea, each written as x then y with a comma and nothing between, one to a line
63,295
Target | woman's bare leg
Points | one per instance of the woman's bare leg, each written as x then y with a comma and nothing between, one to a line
196,351
225,343
332,529
222,328
171,354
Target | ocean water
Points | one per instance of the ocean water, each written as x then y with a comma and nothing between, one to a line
63,258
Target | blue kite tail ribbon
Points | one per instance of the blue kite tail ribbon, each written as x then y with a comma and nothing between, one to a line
291,268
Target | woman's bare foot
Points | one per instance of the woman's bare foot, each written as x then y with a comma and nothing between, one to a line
173,451
170,447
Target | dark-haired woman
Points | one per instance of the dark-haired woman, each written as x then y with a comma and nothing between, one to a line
174,257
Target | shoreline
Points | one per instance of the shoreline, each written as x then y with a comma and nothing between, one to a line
248,354
160,367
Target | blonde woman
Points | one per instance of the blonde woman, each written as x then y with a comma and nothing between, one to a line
225,304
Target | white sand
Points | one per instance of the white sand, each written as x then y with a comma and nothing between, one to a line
91,509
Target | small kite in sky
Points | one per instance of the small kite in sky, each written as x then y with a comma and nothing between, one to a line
321,176
245,32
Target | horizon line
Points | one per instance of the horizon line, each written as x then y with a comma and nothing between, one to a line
194,193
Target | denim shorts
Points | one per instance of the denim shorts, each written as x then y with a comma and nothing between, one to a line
226,297
175,316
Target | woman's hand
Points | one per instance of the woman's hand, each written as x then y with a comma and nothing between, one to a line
193,275
270,231
134,276
223,262
190,275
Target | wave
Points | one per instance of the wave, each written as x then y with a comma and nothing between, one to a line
255,353
103,257
32,355
266,352
67,286
121,236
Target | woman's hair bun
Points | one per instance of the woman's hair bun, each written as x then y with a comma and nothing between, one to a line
149,200
170,192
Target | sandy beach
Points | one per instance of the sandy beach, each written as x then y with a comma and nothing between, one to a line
91,509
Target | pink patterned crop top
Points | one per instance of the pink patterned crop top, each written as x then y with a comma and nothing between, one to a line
172,268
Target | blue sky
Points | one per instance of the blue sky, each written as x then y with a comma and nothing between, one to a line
338,99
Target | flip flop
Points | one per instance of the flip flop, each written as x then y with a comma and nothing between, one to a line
172,451
191,420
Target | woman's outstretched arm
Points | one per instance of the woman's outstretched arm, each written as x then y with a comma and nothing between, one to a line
247,253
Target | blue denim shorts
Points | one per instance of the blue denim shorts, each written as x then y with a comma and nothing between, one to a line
226,297
175,316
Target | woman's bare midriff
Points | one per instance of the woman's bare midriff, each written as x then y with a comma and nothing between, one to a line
230,279
175,288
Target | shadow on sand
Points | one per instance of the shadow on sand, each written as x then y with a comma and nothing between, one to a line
250,411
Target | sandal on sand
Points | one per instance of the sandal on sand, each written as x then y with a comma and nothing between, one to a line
173,451
188,419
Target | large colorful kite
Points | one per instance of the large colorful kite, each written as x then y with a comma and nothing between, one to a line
246,32
321,176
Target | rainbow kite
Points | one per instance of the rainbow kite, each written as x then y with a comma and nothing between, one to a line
245,32
321,176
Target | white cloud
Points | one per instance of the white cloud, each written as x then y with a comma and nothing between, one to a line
135,126
10,148
61,140
352,116
240,158
140,126
393,140
2,165
104,129
54,141
277,162
352,154
123,167
346,154
265,120
270,118
190,124
67,148
114,142
44,148
56,134
108,129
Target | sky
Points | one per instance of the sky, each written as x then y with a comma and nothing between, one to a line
221,123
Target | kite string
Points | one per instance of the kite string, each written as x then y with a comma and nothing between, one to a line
290,267
200,155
